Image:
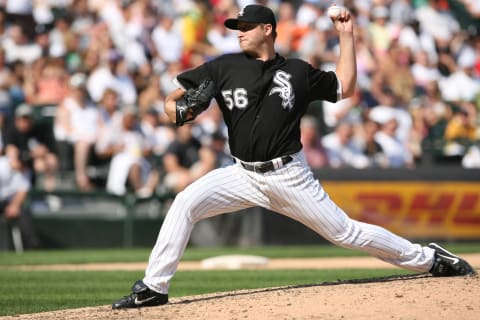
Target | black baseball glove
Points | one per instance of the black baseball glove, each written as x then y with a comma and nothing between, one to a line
194,102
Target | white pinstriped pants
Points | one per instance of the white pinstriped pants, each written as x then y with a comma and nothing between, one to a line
292,191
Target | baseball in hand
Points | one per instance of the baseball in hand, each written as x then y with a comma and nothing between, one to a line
334,12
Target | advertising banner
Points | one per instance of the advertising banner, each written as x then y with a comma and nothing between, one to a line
416,209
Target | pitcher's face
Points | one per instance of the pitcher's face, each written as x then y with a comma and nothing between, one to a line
251,37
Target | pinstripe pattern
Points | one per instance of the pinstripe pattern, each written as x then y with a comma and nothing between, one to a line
290,190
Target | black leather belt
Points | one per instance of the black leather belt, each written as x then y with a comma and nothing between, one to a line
266,166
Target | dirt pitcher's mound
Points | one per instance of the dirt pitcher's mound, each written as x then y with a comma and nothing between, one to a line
403,297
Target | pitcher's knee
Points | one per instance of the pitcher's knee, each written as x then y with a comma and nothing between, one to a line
188,204
347,236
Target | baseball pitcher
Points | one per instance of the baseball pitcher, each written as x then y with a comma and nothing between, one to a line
263,96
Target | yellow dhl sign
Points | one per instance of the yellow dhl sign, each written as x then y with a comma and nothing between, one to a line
413,209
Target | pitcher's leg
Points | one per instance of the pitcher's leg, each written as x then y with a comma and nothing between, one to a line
330,221
383,244
220,191
171,242
303,199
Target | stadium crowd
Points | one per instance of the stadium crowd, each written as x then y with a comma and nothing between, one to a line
105,66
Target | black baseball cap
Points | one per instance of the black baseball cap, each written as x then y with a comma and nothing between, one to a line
253,13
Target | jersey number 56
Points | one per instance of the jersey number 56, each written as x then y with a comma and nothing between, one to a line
235,98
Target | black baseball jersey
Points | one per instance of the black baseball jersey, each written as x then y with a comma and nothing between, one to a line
263,102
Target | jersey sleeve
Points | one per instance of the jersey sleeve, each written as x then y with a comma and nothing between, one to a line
324,85
193,77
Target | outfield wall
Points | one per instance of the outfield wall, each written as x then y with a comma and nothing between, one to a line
434,203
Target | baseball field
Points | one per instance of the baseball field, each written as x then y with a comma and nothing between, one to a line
293,282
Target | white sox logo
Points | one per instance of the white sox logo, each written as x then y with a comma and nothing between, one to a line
241,12
284,89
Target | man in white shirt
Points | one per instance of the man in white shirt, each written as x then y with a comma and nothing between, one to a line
342,149
14,188
18,46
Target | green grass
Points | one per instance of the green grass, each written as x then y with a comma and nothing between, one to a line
191,254
38,291
35,291
141,255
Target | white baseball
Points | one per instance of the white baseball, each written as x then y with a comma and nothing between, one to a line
334,12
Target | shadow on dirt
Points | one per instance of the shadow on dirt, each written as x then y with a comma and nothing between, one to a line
322,284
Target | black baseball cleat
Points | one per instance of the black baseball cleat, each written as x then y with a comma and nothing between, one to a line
141,296
446,264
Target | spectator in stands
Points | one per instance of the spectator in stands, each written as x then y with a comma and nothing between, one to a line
194,22
343,110
435,117
461,84
432,101
380,30
76,129
60,34
417,132
390,107
123,82
46,83
222,39
37,141
308,12
393,75
15,183
343,150
437,19
16,84
366,62
218,146
316,45
473,7
111,73
471,159
89,60
20,12
401,12
110,124
129,33
167,39
5,74
136,48
43,12
286,29
208,123
129,164
18,46
371,148
42,40
415,39
167,77
151,96
423,70
83,21
185,160
312,143
460,131
396,152
158,135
